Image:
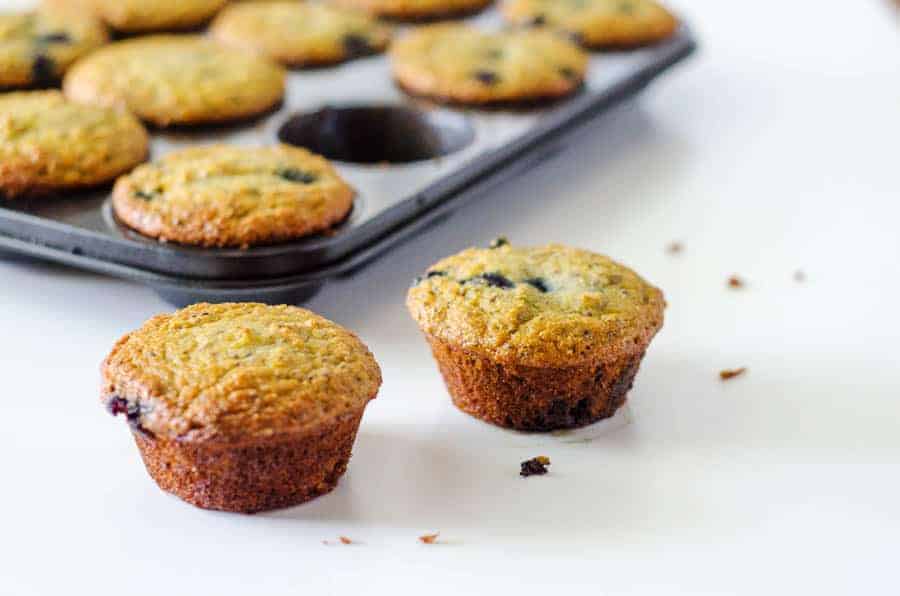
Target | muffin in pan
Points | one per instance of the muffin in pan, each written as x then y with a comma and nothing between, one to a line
242,407
462,64
145,16
598,23
177,80
37,47
50,144
417,10
301,33
233,196
537,338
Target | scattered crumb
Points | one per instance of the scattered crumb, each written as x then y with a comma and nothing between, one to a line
536,466
799,276
735,282
325,542
429,538
345,540
732,373
675,248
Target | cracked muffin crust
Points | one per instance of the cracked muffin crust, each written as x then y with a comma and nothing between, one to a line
144,16
301,34
222,195
462,64
37,47
417,9
536,338
177,79
597,23
48,143
242,407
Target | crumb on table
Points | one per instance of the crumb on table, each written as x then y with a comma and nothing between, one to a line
536,466
735,282
732,373
429,538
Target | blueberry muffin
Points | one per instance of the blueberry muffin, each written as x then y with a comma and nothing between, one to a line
598,23
144,16
184,79
37,47
225,195
461,64
49,144
242,407
539,338
416,10
299,33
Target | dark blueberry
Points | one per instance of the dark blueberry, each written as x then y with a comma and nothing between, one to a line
43,71
487,77
538,20
496,280
295,175
356,45
568,73
431,274
117,405
498,242
144,195
536,466
538,283
55,37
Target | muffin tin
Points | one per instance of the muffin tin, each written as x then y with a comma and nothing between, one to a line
411,162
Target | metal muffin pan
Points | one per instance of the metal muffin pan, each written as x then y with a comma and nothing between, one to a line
411,162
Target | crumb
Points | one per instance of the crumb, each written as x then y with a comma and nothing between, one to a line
799,276
536,466
675,248
727,374
429,538
325,542
735,282
345,540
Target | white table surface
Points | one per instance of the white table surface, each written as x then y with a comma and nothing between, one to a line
776,149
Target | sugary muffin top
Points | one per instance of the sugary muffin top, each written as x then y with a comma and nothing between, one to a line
48,141
466,64
239,372
177,79
543,306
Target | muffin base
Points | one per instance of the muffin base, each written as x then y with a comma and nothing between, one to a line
252,477
534,398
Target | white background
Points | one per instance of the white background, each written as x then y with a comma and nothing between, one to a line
776,149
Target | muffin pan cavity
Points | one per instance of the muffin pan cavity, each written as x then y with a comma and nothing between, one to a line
378,134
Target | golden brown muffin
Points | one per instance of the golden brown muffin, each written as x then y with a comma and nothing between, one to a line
37,47
461,64
415,10
145,16
536,338
48,143
299,33
242,407
598,23
226,195
177,79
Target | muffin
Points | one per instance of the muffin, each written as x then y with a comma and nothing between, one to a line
539,338
242,407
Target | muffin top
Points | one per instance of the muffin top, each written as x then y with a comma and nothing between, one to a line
542,306
461,63
235,373
301,33
223,195
141,16
49,143
37,47
177,79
